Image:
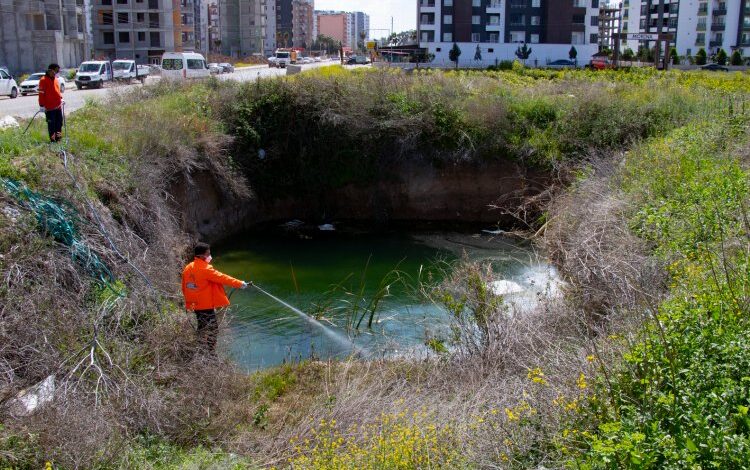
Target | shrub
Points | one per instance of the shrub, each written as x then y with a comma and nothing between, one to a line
701,57
674,57
736,57
721,57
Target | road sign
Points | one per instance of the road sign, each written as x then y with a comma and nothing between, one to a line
647,36
371,45
643,36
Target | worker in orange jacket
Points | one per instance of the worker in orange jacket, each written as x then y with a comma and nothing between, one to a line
203,288
51,102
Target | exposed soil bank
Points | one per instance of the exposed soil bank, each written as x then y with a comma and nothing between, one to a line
467,193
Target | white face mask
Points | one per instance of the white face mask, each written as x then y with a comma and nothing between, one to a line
209,258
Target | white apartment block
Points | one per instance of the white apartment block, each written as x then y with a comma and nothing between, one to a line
494,29
695,24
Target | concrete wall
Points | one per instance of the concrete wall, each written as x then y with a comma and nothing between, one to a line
540,53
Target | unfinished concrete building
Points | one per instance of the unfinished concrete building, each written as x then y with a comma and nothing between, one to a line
35,33
143,29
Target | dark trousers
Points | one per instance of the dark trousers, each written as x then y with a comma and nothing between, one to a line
54,123
208,329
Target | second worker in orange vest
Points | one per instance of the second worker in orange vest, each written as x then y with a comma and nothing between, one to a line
51,101
203,288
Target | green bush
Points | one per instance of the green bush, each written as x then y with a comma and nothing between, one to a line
721,57
680,399
736,57
701,57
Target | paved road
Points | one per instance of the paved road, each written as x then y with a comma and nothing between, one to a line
25,106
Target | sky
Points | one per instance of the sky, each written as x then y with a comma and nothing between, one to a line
404,13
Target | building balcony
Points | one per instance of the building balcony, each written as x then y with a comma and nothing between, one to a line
493,27
715,43
427,25
718,26
495,8
702,12
700,27
719,11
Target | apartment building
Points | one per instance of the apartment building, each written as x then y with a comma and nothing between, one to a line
351,28
242,25
35,33
497,27
142,29
303,12
338,25
213,26
695,24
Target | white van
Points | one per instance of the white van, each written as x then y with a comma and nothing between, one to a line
93,73
184,65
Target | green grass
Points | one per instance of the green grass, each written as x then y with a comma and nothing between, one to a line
681,396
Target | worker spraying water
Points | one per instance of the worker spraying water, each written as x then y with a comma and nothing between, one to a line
203,288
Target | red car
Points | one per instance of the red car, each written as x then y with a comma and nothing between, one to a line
600,63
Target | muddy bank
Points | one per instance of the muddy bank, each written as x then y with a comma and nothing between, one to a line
415,192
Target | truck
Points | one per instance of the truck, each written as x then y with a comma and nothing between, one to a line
93,73
128,70
284,57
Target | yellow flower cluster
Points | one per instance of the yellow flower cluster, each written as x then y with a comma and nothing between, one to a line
537,376
399,441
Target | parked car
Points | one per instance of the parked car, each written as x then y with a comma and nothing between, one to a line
31,84
127,70
215,68
562,64
715,68
93,73
600,63
272,61
227,67
357,60
318,59
8,86
183,66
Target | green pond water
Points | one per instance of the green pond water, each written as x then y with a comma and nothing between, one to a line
326,274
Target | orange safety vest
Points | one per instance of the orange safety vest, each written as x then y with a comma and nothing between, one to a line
203,286
49,93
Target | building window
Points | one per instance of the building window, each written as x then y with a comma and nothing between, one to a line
536,20
106,18
578,37
122,2
448,3
493,37
517,36
517,20
140,17
594,39
579,19
141,36
491,50
475,19
536,3
155,39
448,19
447,37
123,37
108,37
534,38
476,3
594,21
494,20
474,37
123,18
107,3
